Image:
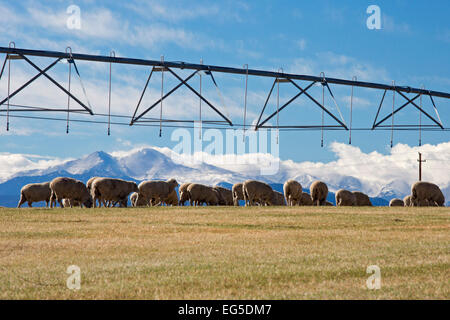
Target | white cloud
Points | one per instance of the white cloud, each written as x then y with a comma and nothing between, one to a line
390,25
338,66
301,44
173,13
11,163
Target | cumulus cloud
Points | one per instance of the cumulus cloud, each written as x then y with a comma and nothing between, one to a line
12,163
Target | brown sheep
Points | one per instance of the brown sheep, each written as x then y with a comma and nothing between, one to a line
68,204
89,185
292,191
257,192
362,199
396,203
201,194
428,191
319,192
71,189
184,195
407,201
135,202
345,198
171,200
112,190
226,196
278,199
305,200
237,193
35,192
156,190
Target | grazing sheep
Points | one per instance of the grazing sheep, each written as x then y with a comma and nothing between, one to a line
257,191
396,203
237,193
67,203
135,202
362,199
292,191
89,185
112,190
305,200
156,190
319,192
226,196
184,195
35,192
171,200
407,201
345,198
71,189
421,191
201,194
278,199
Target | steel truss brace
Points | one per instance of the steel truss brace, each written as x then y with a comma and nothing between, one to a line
260,124
44,73
182,82
408,101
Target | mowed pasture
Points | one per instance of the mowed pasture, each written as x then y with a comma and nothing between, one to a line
225,252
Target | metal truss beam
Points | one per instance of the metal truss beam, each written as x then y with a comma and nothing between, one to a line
202,67
408,101
44,73
302,91
182,82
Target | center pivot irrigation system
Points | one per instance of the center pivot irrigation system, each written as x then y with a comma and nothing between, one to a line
7,109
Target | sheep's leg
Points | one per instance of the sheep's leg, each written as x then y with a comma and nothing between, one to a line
52,200
21,201
29,204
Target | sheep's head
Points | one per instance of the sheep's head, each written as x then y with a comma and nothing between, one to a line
134,187
173,182
88,202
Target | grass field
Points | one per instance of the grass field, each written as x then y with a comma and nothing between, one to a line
225,253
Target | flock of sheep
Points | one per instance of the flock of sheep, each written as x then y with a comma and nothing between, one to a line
98,191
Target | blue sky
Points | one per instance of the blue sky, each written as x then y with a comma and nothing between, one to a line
305,37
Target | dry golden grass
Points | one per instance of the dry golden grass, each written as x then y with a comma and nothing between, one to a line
225,253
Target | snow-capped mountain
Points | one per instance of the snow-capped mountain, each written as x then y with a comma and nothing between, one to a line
153,163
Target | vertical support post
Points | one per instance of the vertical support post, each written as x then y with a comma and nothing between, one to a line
278,105
245,101
9,87
112,54
11,45
420,165
69,61
420,120
392,123
351,113
162,95
323,106
68,97
200,134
